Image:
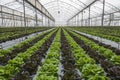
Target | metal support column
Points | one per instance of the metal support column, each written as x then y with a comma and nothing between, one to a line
86,22
103,13
42,20
78,20
45,21
24,16
21,19
36,17
89,17
91,22
27,22
13,18
48,22
75,21
82,19
1,17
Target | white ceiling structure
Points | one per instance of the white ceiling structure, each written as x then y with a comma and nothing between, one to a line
62,10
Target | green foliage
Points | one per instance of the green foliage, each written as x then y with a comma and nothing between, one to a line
110,33
90,70
84,60
3,52
21,44
98,77
13,33
15,64
102,50
46,77
115,59
49,68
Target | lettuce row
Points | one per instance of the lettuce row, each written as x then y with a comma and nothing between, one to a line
14,65
49,68
85,64
13,33
115,59
3,52
97,32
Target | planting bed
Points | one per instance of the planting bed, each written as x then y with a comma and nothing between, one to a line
6,56
111,56
112,71
117,51
30,66
69,70
111,33
87,66
14,65
7,34
60,54
49,68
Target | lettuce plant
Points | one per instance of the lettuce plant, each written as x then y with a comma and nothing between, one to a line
90,70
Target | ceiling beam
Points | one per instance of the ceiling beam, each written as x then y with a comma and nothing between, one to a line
84,9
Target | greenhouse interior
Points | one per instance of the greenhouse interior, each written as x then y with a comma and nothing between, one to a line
59,39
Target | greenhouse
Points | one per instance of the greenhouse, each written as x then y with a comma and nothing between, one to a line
59,39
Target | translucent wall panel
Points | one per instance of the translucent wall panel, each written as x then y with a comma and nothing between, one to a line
7,10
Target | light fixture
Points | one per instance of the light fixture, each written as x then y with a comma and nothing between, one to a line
58,12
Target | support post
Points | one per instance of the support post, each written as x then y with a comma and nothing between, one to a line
1,17
21,19
78,20
103,13
48,22
82,19
24,16
13,18
42,20
89,16
36,17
